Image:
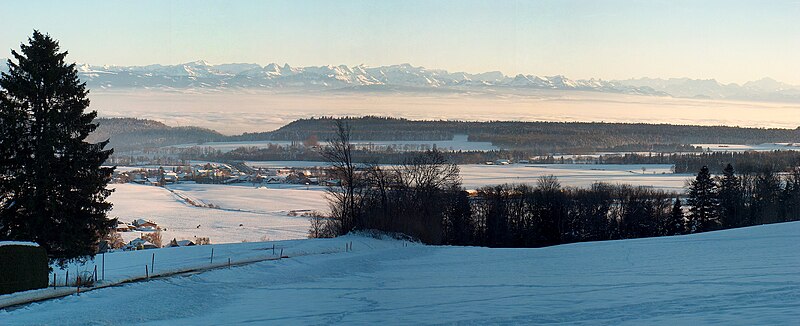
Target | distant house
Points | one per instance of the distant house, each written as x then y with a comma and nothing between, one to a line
139,244
181,243
145,225
273,179
170,177
331,183
124,227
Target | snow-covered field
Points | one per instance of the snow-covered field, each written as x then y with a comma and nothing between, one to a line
745,276
262,213
578,175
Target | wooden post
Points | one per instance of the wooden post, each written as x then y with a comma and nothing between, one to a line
54,280
229,262
95,273
104,266
66,279
146,274
281,252
273,248
152,263
212,255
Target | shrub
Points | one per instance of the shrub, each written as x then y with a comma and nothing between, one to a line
22,268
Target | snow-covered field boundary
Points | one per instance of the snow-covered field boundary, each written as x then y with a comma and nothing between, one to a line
135,266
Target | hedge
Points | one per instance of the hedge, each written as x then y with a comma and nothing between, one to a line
23,268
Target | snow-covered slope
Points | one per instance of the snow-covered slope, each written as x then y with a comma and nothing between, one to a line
746,276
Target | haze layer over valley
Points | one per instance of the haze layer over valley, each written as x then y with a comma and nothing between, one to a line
247,110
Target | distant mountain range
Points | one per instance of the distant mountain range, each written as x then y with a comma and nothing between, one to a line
202,75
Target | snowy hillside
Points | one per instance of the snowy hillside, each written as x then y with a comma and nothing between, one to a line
745,276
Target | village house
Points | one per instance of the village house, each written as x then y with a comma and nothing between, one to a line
145,225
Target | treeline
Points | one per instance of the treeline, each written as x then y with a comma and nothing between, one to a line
534,138
540,137
423,198
745,162
131,134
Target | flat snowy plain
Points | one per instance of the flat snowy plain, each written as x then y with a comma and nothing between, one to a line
748,276
262,212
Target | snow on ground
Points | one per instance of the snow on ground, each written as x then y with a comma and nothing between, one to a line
262,213
743,148
744,276
579,175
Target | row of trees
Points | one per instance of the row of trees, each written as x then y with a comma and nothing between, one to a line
538,137
423,198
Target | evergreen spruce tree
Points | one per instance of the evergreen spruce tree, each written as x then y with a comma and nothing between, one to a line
731,199
676,224
704,203
52,185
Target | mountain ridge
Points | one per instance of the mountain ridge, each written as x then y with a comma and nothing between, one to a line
361,78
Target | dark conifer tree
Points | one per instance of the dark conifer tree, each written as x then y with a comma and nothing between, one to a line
676,224
731,199
704,203
52,185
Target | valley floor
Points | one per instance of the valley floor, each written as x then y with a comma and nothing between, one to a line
741,276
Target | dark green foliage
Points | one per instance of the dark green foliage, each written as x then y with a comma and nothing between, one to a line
765,201
128,134
52,184
704,211
22,268
676,224
731,201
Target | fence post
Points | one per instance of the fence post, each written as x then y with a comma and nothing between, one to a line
95,273
212,255
54,280
104,266
281,252
152,263
229,262
273,248
66,279
146,274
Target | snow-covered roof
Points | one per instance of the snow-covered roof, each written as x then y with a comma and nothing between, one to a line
18,243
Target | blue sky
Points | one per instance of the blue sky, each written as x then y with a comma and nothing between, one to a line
733,41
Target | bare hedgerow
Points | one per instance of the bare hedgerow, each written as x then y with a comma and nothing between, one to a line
114,240
323,227
153,237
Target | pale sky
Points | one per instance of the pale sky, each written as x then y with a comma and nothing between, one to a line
732,41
